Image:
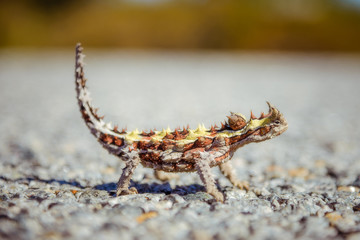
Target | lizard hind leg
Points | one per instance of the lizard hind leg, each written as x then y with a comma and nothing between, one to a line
204,171
228,171
124,180
164,176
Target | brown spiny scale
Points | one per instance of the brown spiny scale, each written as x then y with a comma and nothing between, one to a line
227,141
146,138
154,145
135,145
236,121
145,156
118,141
85,116
193,153
188,146
237,138
166,144
169,136
267,115
252,116
155,155
202,142
115,129
123,130
264,130
150,156
143,133
216,126
223,126
94,112
83,82
177,135
144,145
147,134
222,157
108,139
185,131
262,115
187,126
212,131
256,132
151,133
250,132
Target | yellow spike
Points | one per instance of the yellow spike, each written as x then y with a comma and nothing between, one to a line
133,133
255,123
160,135
108,125
191,135
198,130
201,129
132,136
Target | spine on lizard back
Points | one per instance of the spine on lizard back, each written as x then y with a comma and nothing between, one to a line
108,136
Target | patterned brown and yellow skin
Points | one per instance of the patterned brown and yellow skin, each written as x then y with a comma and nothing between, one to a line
181,150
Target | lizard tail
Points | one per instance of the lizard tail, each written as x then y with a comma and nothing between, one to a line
110,137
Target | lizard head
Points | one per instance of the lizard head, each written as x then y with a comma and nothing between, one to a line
266,126
259,129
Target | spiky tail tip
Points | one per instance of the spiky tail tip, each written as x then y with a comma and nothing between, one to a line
110,137
92,120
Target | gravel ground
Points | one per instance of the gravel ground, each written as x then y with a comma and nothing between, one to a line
56,182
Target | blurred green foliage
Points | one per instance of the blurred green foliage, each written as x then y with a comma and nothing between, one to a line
304,25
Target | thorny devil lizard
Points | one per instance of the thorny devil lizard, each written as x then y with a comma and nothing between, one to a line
183,150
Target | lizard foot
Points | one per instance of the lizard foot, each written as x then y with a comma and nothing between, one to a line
126,191
218,196
243,185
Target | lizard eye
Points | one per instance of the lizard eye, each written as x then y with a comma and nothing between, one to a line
277,122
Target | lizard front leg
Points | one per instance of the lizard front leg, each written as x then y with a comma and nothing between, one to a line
203,169
228,171
124,180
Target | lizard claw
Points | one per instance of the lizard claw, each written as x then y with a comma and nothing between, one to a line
126,191
218,196
243,185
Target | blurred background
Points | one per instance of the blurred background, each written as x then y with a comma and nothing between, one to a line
158,63
297,25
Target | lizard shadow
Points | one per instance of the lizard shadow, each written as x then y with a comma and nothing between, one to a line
111,187
30,179
155,188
